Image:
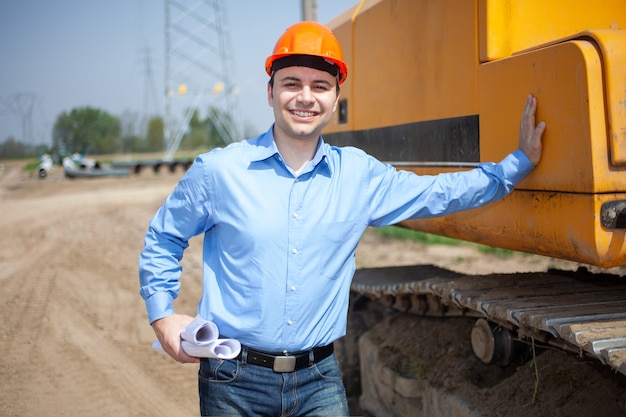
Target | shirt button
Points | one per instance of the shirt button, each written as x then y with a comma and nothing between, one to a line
289,322
294,251
293,288
296,215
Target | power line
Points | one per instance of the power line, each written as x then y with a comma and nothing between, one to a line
150,97
22,105
198,67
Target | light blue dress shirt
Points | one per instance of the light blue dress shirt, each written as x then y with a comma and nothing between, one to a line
279,247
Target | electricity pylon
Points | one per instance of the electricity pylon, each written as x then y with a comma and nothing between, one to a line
199,68
22,105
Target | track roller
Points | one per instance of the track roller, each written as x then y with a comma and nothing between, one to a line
495,344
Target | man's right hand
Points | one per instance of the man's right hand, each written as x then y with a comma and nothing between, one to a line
168,331
529,133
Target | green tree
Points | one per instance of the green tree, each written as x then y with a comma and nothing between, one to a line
218,122
197,136
209,132
132,143
155,134
86,129
11,148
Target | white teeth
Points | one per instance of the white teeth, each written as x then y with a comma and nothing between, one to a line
303,114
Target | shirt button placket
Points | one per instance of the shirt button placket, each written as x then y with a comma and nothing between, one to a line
294,262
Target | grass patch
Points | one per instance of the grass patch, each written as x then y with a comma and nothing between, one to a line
402,233
31,166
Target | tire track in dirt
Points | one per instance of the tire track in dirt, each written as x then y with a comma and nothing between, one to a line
27,290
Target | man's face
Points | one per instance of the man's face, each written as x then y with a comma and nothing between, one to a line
303,100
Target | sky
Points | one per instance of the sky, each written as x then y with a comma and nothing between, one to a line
65,54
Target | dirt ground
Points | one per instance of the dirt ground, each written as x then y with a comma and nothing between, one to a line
75,339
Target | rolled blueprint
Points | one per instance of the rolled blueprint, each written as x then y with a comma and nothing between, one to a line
201,340
220,348
200,332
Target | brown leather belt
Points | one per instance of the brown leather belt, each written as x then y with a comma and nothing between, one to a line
285,363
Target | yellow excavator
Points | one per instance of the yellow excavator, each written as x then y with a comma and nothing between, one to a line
437,86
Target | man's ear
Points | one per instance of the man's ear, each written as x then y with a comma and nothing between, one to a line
270,95
336,102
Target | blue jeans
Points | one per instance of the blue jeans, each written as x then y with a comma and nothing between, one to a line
235,388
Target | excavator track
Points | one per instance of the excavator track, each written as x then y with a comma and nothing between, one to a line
577,311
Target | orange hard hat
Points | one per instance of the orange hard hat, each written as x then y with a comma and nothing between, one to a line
312,39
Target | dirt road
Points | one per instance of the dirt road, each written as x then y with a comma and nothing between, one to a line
75,339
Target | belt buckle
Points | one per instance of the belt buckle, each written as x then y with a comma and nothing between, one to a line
284,364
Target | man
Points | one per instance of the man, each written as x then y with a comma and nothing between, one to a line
282,215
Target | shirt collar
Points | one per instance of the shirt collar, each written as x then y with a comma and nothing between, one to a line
266,148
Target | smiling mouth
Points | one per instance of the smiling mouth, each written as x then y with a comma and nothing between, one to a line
301,113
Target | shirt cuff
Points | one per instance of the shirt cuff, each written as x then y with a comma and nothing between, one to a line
159,305
516,166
